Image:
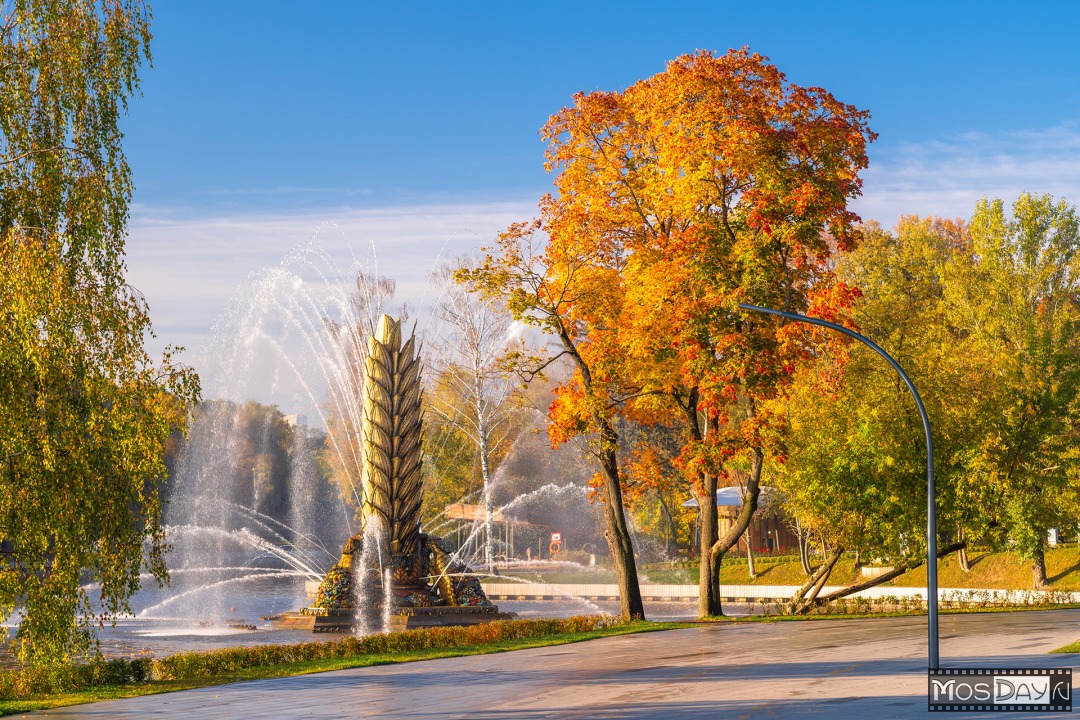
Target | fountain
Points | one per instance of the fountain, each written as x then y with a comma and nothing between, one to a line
251,514
249,520
392,574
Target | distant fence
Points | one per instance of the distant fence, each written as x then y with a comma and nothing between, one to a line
765,593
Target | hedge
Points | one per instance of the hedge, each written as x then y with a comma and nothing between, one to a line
34,681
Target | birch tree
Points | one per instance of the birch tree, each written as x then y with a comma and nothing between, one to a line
84,411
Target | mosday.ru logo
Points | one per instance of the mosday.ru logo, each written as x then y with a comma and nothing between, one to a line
1009,689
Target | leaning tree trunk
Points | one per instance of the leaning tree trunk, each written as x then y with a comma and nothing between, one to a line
617,534
805,596
896,572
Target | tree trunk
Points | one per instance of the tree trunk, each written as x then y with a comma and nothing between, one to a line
749,535
804,550
485,469
708,591
711,547
805,596
961,554
617,533
669,534
709,584
896,572
1038,569
828,566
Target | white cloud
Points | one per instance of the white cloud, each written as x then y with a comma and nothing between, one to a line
207,280
947,177
189,268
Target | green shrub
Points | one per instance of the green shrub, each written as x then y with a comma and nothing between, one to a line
226,660
27,682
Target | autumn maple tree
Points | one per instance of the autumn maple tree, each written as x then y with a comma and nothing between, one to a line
720,183
709,184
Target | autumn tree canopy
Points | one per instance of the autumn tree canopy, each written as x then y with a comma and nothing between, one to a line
715,182
711,183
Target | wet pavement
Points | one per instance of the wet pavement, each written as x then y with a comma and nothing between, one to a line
873,668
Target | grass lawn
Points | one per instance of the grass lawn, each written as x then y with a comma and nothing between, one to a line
1070,648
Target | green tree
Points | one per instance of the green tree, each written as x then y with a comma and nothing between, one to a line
1014,300
84,412
984,319
449,467
856,463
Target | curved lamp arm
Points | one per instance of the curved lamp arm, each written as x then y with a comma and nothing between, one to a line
931,519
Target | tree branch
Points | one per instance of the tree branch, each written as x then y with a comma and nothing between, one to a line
885,577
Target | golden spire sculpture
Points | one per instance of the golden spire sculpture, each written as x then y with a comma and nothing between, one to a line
427,586
390,474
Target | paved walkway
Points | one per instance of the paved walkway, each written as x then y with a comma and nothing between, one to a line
836,669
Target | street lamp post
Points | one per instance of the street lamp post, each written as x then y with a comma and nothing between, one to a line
931,520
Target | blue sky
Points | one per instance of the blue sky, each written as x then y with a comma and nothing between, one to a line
414,127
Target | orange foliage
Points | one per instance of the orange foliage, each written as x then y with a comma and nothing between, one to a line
713,183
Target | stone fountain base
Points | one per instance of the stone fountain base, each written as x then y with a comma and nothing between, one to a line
318,619
428,589
409,618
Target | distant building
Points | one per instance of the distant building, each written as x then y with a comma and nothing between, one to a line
767,533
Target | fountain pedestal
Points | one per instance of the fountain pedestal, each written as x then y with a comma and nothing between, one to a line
344,620
442,593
